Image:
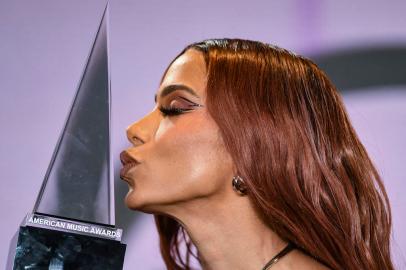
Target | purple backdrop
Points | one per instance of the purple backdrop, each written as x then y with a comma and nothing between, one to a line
43,49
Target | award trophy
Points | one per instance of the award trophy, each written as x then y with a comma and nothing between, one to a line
72,223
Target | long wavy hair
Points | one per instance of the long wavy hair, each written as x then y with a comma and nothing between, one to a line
307,173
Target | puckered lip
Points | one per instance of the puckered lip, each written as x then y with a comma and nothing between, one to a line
128,163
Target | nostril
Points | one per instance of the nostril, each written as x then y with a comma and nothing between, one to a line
136,139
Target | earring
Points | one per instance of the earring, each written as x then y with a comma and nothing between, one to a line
239,185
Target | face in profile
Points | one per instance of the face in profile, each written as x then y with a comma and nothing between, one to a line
180,156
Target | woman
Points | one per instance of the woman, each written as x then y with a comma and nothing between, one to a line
249,157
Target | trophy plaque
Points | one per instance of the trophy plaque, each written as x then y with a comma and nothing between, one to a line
72,225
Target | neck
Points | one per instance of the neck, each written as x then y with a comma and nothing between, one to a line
228,234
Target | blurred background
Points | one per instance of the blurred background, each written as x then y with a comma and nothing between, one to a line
44,45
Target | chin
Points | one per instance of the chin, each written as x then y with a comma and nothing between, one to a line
135,201
132,201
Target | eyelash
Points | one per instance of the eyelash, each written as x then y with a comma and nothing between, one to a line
172,111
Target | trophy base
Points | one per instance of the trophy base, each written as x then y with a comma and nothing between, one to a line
39,248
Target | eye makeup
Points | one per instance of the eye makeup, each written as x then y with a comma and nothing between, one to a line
171,110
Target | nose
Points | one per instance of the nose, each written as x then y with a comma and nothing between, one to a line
142,130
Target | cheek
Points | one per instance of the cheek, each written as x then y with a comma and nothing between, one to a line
186,160
188,152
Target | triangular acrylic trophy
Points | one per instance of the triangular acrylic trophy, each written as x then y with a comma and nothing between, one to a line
72,224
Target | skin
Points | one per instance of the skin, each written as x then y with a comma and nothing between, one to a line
185,172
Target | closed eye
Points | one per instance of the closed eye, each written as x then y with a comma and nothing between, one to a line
180,108
172,111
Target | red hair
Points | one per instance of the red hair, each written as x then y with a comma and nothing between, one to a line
307,173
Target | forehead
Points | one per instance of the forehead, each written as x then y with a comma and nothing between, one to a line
188,69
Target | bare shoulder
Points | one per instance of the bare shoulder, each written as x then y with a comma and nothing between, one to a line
297,259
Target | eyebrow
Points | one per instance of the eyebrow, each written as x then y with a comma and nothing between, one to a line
173,87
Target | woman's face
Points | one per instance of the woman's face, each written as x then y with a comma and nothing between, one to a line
181,158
